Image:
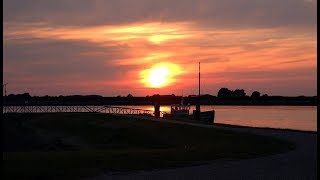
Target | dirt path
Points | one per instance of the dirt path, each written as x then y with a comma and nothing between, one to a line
300,163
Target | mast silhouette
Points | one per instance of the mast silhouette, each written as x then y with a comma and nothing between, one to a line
198,102
5,93
5,89
199,79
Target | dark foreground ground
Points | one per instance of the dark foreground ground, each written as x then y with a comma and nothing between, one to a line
298,164
82,145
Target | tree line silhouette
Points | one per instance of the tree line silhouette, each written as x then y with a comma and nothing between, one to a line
224,97
225,92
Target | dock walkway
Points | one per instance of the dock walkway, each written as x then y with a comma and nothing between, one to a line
77,108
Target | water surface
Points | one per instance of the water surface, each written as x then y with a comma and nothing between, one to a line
286,117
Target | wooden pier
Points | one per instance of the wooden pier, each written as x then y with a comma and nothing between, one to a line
77,108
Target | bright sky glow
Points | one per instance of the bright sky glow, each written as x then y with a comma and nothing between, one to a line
153,47
160,75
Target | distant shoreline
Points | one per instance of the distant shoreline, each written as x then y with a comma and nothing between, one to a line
26,99
95,104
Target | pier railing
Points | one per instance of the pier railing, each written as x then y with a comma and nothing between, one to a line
77,108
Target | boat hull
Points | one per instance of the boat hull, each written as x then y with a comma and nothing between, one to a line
205,117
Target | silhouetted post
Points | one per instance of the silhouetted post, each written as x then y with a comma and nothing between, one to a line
157,108
198,111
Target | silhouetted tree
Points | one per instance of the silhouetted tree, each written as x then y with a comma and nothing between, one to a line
265,95
238,92
129,96
224,92
26,95
255,94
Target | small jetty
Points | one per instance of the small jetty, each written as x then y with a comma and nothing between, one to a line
77,108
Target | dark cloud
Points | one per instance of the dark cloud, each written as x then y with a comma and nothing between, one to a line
293,61
63,60
211,13
266,74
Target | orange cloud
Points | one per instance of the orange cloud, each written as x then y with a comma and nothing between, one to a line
183,45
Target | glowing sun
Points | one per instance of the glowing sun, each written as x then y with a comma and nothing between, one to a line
160,75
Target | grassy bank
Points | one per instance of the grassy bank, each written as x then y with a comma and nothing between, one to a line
75,145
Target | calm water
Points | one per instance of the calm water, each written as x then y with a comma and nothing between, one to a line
289,117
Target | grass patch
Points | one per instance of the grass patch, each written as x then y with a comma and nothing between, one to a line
75,145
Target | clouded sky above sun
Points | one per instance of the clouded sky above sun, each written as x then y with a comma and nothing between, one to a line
146,47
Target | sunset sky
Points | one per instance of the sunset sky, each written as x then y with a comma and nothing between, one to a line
117,47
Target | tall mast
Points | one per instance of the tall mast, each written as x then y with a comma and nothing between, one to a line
5,89
197,112
199,79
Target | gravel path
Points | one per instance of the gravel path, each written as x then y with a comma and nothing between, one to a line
300,163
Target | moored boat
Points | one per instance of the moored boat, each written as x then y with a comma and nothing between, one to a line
181,111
